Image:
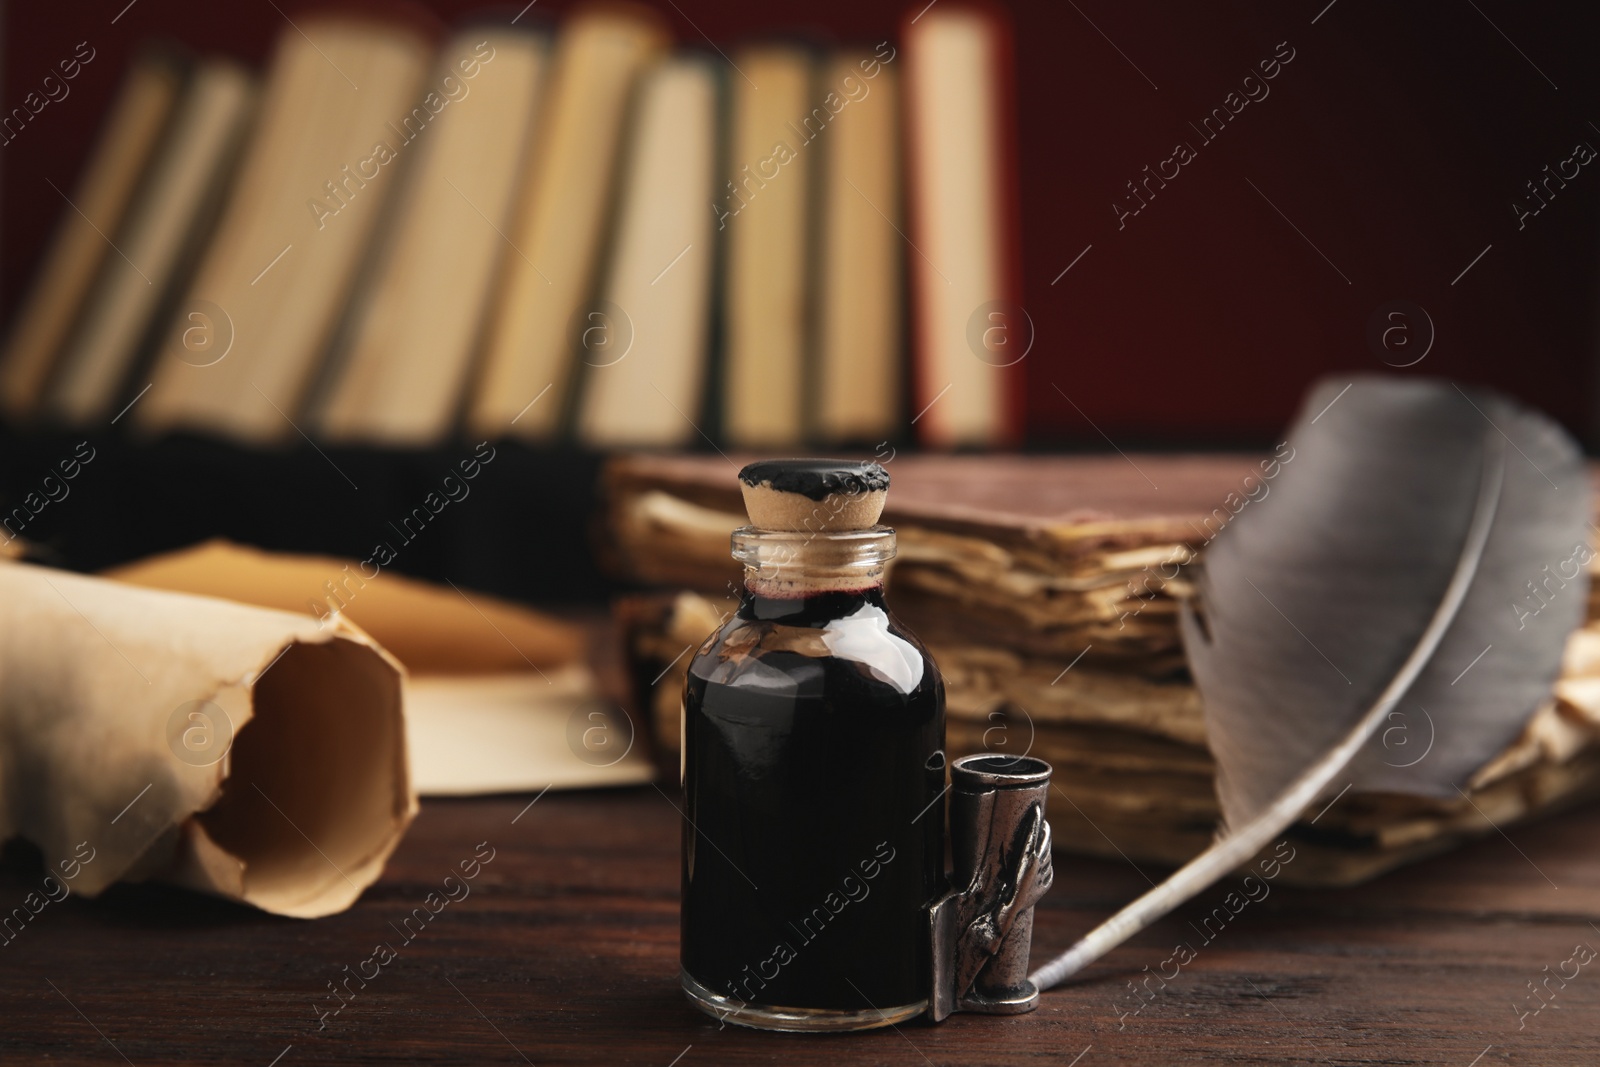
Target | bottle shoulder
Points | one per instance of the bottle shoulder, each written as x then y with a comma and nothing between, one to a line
746,649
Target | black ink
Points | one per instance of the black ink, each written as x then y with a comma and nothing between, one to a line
813,793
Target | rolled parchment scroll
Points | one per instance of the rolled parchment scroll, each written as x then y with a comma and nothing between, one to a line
241,751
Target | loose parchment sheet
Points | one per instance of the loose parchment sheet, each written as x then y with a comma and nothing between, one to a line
498,696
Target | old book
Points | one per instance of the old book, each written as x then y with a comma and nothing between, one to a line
128,138
859,351
765,211
644,348
345,102
1045,555
562,221
171,214
970,333
1121,719
407,359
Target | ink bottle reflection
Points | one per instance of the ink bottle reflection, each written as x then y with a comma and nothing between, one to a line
813,772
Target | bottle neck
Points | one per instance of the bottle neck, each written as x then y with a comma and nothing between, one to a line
781,565
818,609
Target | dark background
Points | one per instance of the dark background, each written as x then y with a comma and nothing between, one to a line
1396,141
1392,148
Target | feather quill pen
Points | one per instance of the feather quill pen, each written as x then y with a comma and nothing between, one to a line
1410,556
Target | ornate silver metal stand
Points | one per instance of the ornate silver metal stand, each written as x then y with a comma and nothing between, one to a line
982,928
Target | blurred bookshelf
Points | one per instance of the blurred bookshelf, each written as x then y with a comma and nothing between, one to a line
282,309
284,301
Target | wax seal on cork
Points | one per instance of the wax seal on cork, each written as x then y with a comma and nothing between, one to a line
813,495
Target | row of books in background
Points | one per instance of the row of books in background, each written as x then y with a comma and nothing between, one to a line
541,233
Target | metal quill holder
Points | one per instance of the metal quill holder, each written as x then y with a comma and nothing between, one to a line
982,928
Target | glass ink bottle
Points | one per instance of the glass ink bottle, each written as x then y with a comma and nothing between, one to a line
813,771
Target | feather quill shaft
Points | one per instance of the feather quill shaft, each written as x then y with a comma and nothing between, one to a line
1237,847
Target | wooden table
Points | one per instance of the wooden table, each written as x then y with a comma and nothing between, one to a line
566,949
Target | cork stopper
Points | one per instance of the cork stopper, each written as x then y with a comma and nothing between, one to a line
814,495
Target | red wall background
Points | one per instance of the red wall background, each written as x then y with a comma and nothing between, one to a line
1395,141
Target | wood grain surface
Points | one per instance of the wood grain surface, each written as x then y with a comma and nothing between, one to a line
565,951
